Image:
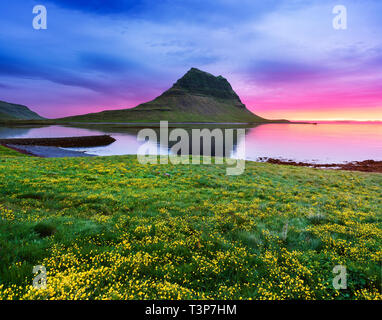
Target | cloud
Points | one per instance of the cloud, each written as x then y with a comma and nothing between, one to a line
278,71
105,62
18,66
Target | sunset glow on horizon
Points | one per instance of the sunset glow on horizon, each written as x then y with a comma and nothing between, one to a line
284,59
331,114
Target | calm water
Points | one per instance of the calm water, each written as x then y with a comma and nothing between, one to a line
322,143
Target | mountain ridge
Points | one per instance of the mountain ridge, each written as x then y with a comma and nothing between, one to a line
13,111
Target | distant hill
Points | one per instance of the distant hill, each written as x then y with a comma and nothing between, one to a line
11,111
196,97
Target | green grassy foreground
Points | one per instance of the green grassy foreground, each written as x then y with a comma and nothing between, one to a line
111,228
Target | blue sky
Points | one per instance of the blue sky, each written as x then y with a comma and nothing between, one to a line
283,57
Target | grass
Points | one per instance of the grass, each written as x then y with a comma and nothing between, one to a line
9,153
111,228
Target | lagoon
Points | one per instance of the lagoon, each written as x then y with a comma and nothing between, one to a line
320,143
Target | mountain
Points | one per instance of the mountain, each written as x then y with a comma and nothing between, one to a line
196,97
11,111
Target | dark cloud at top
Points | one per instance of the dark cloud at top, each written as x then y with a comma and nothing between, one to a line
217,13
102,6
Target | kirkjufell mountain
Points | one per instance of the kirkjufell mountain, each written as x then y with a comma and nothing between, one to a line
196,97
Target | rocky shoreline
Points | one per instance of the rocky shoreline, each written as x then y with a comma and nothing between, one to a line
364,166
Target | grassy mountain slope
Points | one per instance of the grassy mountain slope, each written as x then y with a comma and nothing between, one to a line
197,97
11,111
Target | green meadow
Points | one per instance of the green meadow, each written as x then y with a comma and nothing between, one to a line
112,228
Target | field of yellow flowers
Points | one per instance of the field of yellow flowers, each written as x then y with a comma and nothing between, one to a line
111,228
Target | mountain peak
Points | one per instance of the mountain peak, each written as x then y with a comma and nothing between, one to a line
199,82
